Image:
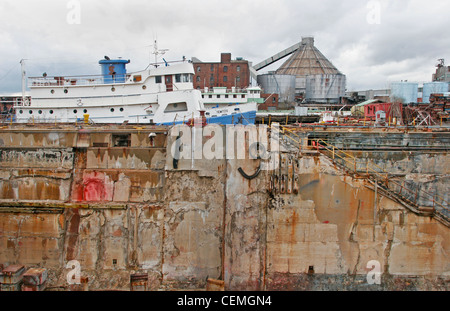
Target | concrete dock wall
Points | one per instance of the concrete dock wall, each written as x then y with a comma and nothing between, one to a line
114,200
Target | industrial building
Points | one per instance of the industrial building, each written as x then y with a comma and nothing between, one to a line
442,73
403,91
307,75
226,73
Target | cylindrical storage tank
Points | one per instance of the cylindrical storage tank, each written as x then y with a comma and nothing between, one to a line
114,70
406,92
283,85
433,88
326,88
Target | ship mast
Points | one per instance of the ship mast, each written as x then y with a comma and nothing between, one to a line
157,52
24,80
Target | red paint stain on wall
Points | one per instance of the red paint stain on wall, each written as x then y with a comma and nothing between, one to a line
94,189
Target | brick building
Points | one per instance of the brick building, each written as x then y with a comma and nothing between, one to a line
228,73
270,102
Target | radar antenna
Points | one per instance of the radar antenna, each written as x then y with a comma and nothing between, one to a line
157,52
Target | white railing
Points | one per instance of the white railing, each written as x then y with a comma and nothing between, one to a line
77,80
220,91
16,101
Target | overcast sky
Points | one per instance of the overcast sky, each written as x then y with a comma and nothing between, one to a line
371,42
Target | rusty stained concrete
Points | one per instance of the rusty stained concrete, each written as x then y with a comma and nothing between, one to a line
172,227
340,232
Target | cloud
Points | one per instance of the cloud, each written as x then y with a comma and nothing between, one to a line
406,43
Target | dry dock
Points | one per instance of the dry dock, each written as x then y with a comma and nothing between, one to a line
113,199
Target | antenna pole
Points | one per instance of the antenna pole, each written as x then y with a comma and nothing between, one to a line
157,52
24,81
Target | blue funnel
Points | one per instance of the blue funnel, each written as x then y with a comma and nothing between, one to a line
113,70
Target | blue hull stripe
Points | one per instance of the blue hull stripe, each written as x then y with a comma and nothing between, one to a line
239,118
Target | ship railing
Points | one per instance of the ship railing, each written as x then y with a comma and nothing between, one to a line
45,120
220,90
16,101
77,80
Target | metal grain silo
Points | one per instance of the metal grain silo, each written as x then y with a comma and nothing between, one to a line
433,88
325,88
406,92
316,77
283,85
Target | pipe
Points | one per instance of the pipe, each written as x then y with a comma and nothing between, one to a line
249,177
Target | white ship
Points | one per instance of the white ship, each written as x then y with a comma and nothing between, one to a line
220,100
162,95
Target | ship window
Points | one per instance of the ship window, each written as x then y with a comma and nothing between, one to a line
51,111
20,111
226,96
52,91
75,111
144,87
186,77
178,77
31,112
176,107
112,109
40,111
85,110
121,140
158,79
66,91
113,89
121,109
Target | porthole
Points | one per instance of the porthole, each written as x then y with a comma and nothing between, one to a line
121,109
85,110
51,111
52,91
20,111
66,91
75,111
30,112
113,89
144,87
112,109
40,111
